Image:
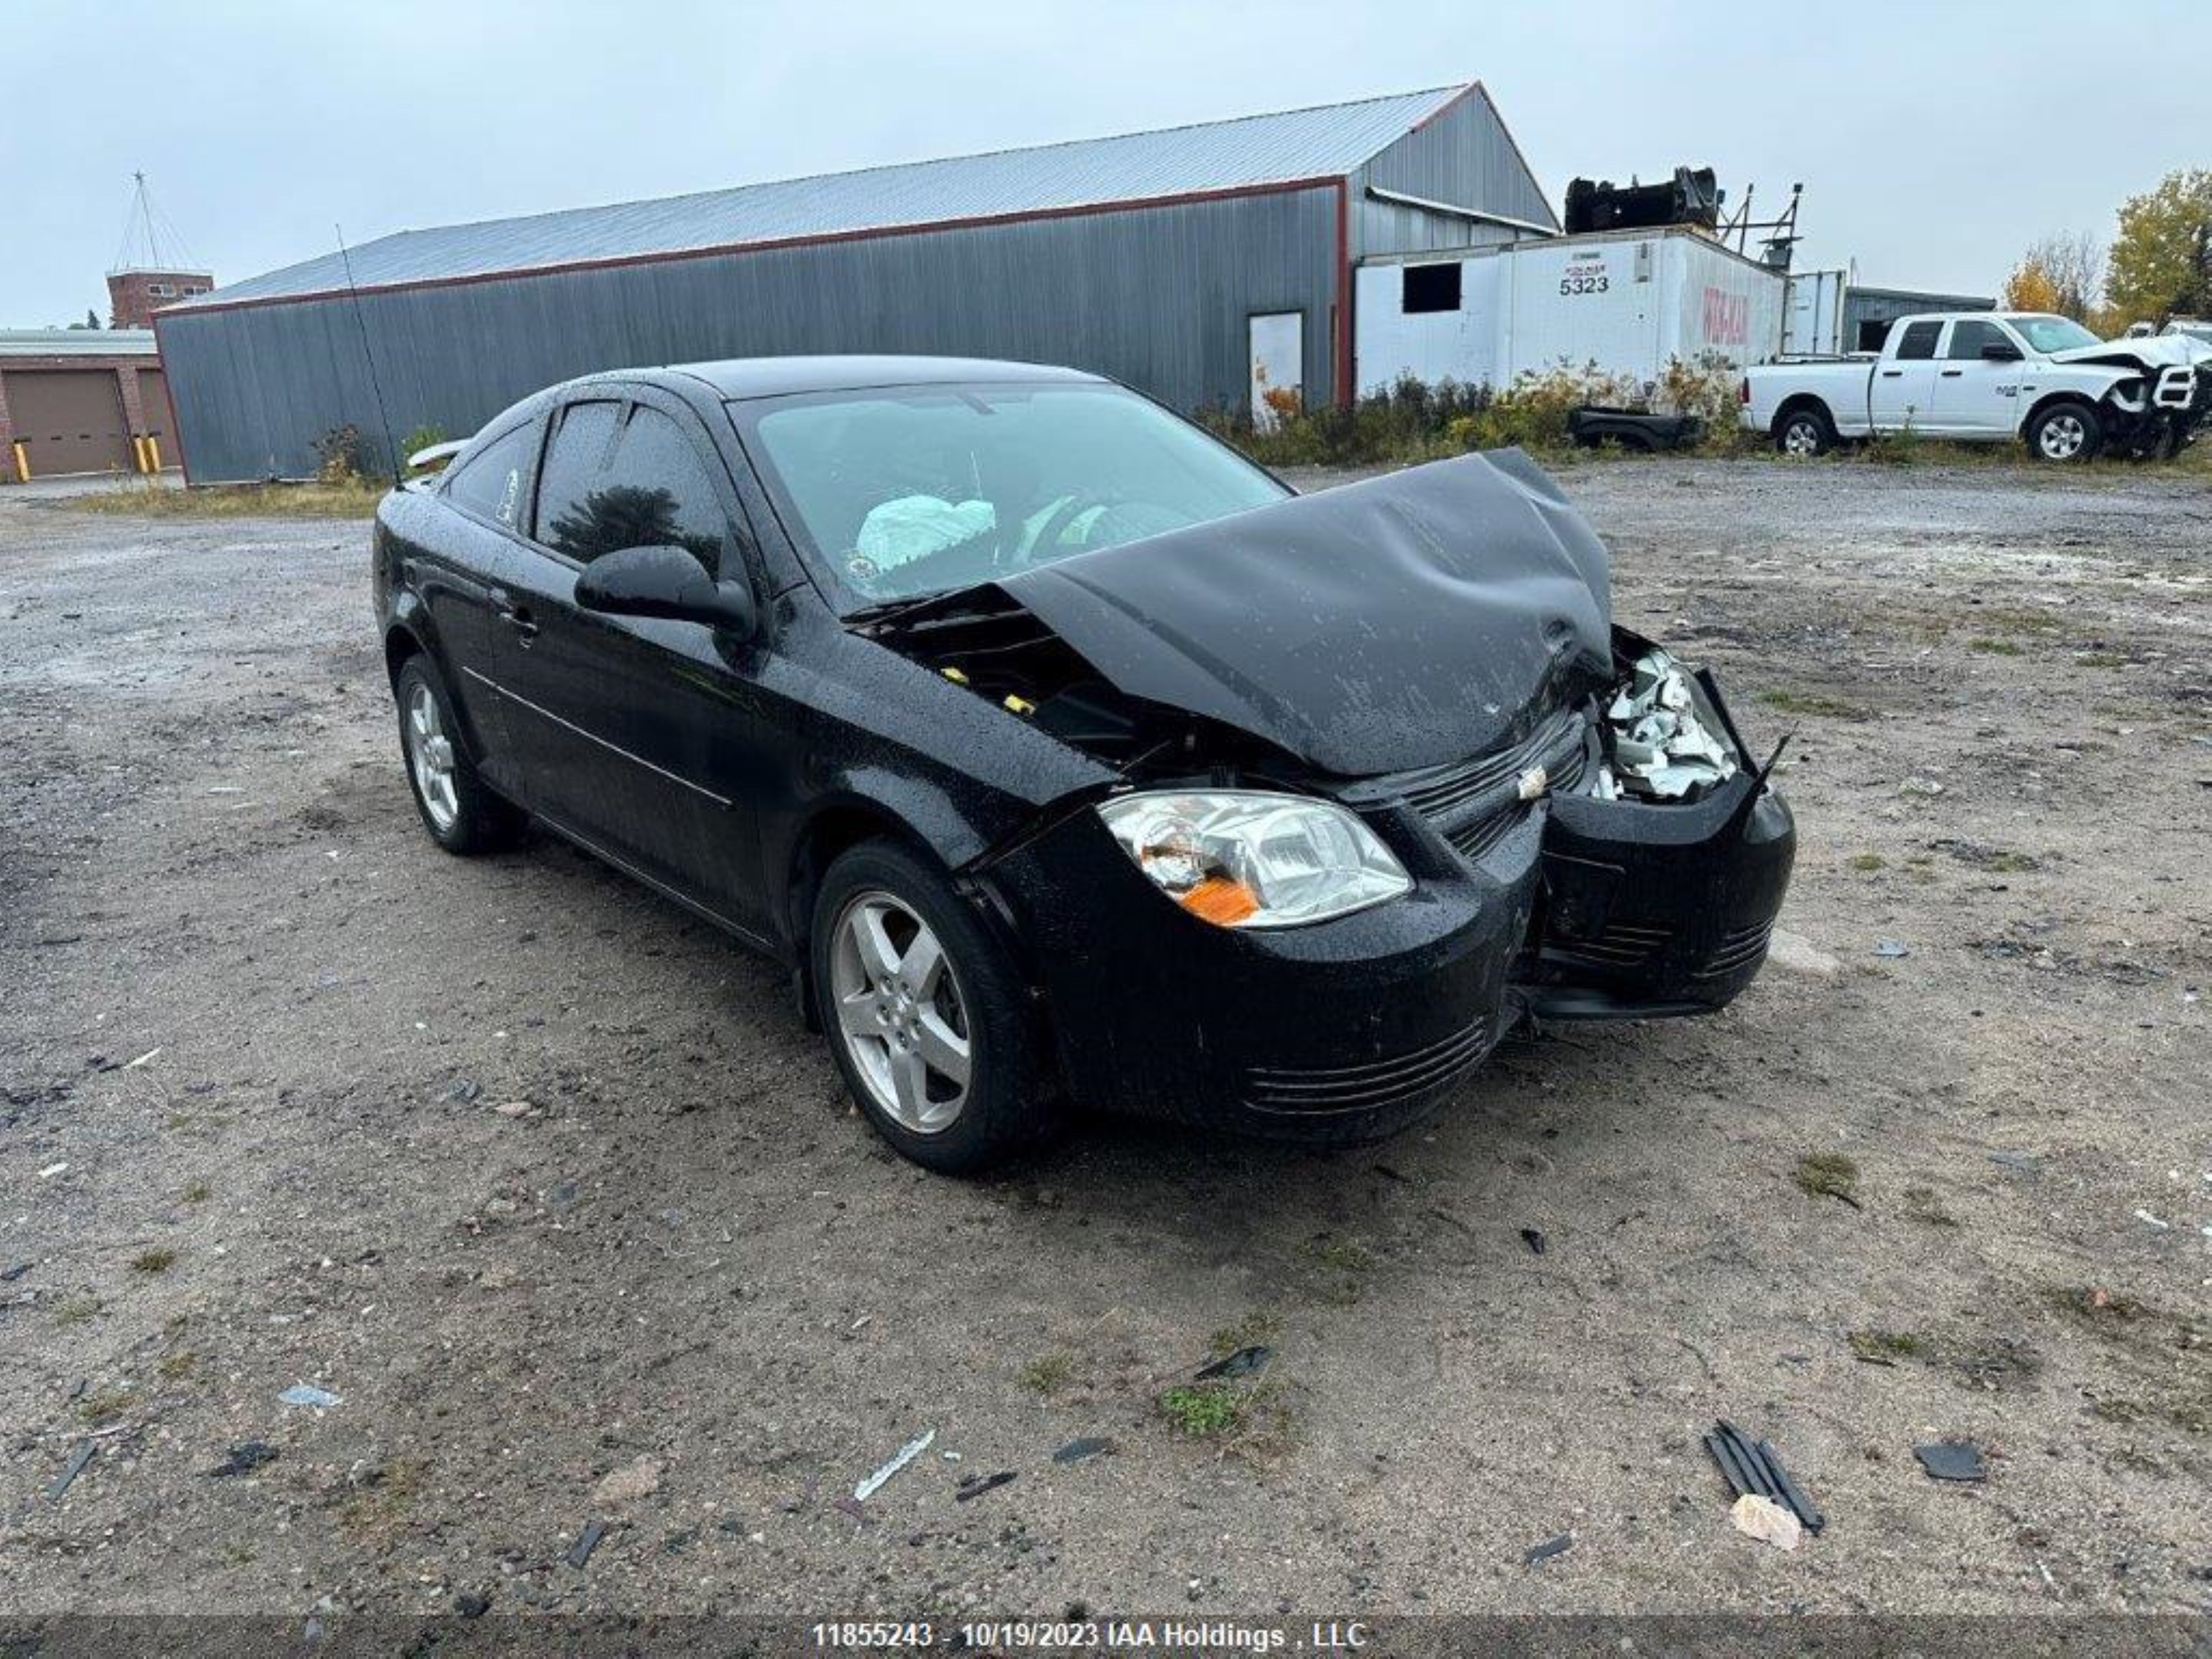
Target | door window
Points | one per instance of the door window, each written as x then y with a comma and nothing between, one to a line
1968,337
490,482
636,482
1917,343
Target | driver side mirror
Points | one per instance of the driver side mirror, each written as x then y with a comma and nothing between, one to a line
668,582
2000,351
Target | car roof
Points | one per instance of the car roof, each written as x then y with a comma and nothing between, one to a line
774,377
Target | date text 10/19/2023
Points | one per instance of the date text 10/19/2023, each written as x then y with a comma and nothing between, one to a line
1164,1636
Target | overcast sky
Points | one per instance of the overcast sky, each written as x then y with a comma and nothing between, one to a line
1934,140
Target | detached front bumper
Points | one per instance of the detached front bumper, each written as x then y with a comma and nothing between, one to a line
1348,1031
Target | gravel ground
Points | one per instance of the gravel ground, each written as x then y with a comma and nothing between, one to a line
545,1182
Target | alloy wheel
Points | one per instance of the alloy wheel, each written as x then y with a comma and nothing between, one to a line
430,758
1801,437
899,1011
2062,437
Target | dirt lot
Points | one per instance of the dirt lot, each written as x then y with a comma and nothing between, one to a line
265,1052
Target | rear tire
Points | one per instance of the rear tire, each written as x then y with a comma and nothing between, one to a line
927,1014
1804,431
2067,433
462,814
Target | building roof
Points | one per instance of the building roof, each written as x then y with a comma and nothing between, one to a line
77,342
1256,150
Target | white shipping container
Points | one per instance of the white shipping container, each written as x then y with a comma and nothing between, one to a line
1628,300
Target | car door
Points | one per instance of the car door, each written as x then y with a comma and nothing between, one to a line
640,736
1976,397
1902,392
488,495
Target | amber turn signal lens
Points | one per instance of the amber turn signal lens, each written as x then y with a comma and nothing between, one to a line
1220,901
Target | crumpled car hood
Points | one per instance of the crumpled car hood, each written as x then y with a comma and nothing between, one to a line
2154,352
1398,622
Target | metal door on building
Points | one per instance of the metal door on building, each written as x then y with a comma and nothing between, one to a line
1279,367
71,421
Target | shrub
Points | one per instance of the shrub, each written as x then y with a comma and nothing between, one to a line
420,440
341,457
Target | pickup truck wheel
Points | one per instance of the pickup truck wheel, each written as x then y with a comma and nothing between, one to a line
2065,431
927,1016
1804,432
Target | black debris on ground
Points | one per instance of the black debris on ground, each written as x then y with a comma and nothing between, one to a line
70,1470
1952,1460
1548,1549
1243,1363
244,1459
975,1486
586,1542
1086,1446
1752,1466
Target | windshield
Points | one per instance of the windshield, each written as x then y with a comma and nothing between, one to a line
2046,334
898,492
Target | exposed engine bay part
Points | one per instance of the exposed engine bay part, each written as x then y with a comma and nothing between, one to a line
1661,741
1394,624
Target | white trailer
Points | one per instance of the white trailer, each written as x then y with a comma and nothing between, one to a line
1628,300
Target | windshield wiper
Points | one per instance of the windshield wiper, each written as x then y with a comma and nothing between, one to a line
892,610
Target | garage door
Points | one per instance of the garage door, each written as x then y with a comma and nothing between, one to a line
154,407
71,421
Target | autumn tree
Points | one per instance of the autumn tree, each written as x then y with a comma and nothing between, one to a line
2060,274
2162,263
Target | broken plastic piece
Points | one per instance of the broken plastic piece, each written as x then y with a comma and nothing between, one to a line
70,1470
1952,1460
1751,1466
586,1542
905,1454
1895,949
1088,1446
1243,1362
954,675
303,1393
1548,1549
977,1485
1657,745
1767,1521
244,1459
1019,705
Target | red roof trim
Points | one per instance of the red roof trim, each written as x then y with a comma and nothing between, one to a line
722,249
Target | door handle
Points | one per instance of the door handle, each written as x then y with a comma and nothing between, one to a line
1892,374
1952,373
519,618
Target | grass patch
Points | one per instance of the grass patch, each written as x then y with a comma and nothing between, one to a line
2102,659
1202,1410
355,500
1255,1330
104,1406
1343,1255
1828,1174
157,1260
1866,863
1817,704
76,1310
1990,647
381,1507
176,1367
1875,1347
196,1192
1049,1373
1921,1204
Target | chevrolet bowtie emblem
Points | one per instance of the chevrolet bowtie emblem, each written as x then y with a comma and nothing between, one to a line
1535,782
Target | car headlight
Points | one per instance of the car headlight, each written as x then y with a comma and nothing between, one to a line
1243,858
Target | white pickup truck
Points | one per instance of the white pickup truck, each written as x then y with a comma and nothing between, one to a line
1990,376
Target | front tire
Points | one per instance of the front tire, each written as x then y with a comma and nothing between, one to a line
1804,432
927,1015
2065,433
462,814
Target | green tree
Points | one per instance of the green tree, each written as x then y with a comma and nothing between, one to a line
2162,261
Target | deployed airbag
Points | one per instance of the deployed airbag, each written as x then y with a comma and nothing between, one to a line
1400,621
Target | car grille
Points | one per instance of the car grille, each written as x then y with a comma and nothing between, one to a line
1318,1091
1617,945
1475,805
1438,791
1737,950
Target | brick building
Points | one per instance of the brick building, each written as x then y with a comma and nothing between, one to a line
134,294
82,400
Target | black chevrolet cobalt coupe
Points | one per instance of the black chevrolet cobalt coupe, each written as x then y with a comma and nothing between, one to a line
1065,755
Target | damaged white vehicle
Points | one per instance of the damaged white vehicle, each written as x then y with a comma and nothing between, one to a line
1992,377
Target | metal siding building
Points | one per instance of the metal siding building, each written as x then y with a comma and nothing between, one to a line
1143,256
1869,312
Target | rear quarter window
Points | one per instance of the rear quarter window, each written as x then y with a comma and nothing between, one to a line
490,482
